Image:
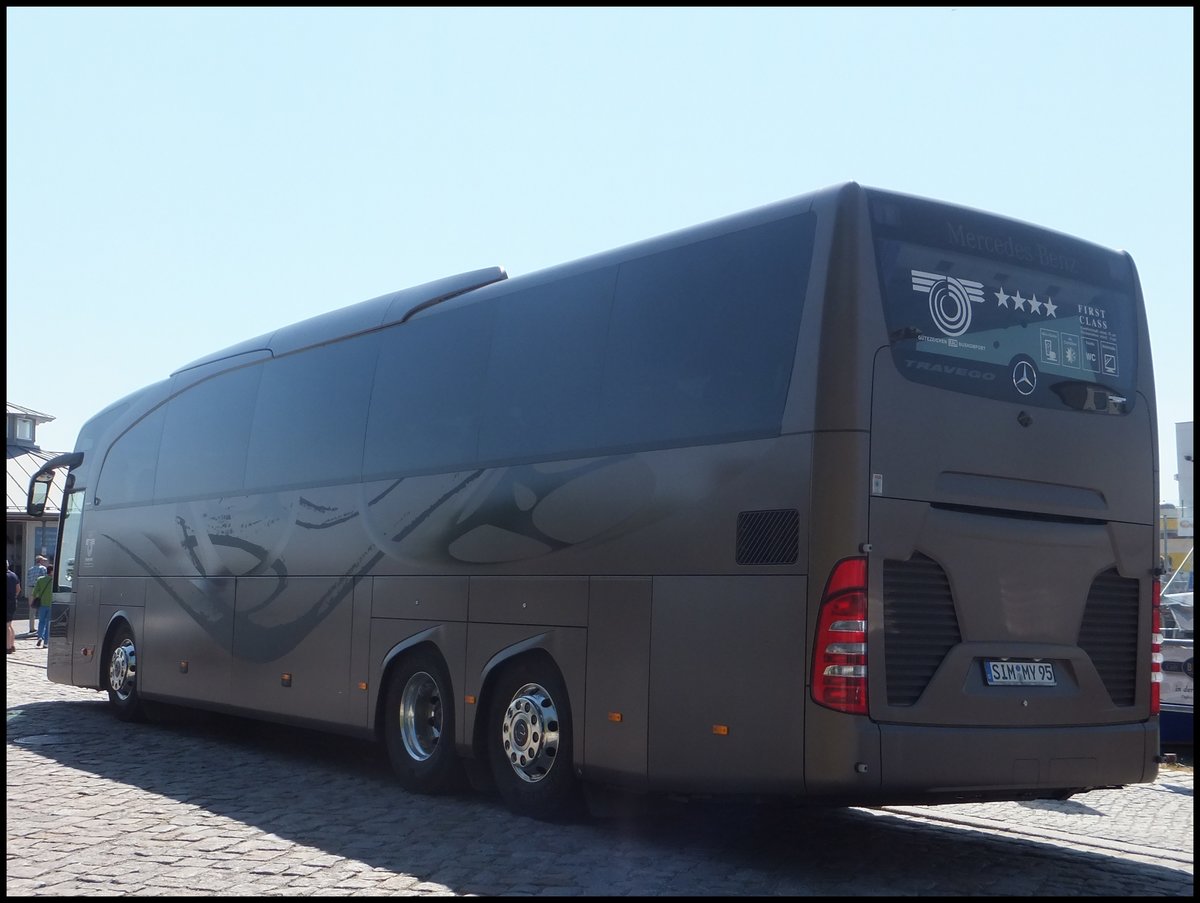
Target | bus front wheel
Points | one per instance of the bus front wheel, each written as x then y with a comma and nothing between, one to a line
529,742
418,728
122,676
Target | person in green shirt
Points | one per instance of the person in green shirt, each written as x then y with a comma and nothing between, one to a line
43,594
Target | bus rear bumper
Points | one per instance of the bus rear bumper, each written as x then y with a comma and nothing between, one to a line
979,762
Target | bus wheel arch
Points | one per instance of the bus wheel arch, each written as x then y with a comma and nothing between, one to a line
527,739
119,672
416,721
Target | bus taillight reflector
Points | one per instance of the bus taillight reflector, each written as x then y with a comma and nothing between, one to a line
839,671
1156,653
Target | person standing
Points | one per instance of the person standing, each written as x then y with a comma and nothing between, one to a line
43,595
31,579
14,589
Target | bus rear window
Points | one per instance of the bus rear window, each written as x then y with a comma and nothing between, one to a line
1055,326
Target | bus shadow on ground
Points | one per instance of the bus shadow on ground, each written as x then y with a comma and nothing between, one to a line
335,794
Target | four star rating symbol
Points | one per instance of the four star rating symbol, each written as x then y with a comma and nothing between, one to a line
1035,306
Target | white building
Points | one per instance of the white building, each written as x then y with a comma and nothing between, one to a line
28,536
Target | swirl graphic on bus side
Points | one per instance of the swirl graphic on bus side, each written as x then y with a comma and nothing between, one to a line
949,300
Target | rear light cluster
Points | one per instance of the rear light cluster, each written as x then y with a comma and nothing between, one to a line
1156,654
839,670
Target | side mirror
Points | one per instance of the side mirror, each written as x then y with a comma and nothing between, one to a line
39,491
40,483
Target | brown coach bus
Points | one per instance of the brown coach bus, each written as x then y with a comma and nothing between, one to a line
847,499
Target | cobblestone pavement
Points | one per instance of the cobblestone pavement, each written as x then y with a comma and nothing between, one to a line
225,807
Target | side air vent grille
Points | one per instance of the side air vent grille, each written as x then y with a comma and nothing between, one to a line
1109,633
919,625
768,537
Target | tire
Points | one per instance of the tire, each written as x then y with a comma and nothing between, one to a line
121,676
529,742
418,726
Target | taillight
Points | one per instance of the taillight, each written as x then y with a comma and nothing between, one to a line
839,671
1156,655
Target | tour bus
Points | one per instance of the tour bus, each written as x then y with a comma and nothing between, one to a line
848,499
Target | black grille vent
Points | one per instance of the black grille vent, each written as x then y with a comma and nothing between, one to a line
919,625
1109,633
768,537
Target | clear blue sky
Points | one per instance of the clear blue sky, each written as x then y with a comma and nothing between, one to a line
180,179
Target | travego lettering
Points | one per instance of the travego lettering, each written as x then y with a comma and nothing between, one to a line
949,370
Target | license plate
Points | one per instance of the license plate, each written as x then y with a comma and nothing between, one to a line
1019,674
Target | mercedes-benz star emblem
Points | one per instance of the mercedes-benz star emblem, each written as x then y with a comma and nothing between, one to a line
1024,377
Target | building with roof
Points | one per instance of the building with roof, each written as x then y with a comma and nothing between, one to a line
28,537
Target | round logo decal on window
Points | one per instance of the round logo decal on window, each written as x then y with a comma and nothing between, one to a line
1024,377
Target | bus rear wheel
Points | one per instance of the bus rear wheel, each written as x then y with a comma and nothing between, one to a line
529,742
418,728
122,676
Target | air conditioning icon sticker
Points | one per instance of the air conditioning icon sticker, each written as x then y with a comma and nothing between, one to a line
949,300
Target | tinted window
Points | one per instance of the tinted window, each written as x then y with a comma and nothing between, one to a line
997,308
543,383
128,472
312,415
693,344
703,336
424,411
206,434
1006,331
